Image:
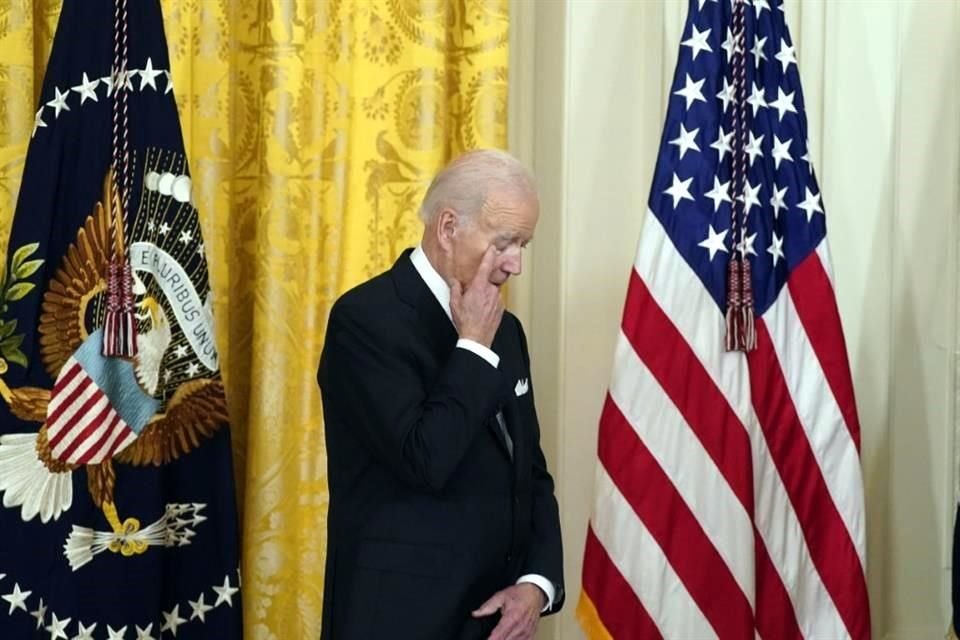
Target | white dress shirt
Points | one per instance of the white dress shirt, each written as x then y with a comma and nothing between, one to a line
441,291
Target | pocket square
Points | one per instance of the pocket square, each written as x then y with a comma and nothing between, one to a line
522,387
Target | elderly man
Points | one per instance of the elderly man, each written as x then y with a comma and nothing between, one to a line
443,524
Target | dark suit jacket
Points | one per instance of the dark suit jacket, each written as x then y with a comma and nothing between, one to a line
429,515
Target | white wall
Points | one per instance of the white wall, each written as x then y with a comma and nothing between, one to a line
881,83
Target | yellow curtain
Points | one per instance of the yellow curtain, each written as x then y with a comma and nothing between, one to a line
312,130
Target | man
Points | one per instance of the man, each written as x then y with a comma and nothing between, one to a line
443,524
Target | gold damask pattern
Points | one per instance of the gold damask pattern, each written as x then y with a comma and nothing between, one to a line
312,130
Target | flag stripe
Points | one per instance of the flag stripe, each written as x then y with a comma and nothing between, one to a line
674,444
830,545
93,454
88,429
88,396
622,613
638,556
817,309
653,497
776,619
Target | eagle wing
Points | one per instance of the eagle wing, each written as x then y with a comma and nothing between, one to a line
198,408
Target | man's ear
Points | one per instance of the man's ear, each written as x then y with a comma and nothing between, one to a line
446,228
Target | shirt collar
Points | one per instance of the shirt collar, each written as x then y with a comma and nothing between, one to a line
433,280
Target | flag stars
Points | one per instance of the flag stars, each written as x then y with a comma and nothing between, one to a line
84,632
119,634
781,150
750,196
787,55
777,201
57,628
172,620
776,249
756,99
753,148
87,89
181,351
679,190
727,94
691,91
38,122
697,41
199,609
193,369
686,140
745,246
145,634
811,204
59,102
757,50
784,103
759,6
186,237
17,598
720,193
225,593
164,228
731,45
722,143
40,613
714,242
169,87
148,76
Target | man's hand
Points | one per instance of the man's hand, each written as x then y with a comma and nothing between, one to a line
519,608
478,310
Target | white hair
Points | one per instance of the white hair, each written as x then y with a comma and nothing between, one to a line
465,184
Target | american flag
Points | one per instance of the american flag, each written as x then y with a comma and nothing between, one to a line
729,495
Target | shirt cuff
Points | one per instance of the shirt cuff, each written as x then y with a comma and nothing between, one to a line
480,350
545,585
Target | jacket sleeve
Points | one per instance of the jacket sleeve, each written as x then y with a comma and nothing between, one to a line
371,384
545,555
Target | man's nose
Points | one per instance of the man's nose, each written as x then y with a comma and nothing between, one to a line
512,262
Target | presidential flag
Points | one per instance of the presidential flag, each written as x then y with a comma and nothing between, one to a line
729,496
118,517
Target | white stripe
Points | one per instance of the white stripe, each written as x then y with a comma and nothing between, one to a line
644,566
823,252
820,416
60,396
127,440
93,438
682,296
115,433
83,421
694,474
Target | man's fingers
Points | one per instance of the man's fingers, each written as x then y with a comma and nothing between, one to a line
490,606
456,292
503,629
486,266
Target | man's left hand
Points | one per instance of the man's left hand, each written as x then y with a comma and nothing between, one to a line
519,608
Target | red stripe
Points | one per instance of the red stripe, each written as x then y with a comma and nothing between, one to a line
816,304
776,619
54,420
67,376
831,548
88,431
669,358
123,436
91,453
617,605
669,520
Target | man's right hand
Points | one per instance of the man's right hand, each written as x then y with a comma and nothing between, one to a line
477,312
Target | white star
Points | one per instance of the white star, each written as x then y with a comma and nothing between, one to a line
180,351
169,83
171,621
776,248
17,598
757,50
57,628
777,200
87,88
810,204
722,143
200,249
128,78
697,41
679,190
84,632
727,94
753,147
714,241
731,45
749,197
719,193
786,55
118,634
701,3
806,153
164,228
783,103
225,593
108,80
145,634
691,91
756,99
745,246
781,150
2,576
686,140
151,226
148,75
760,5
193,369
200,609
186,237
38,122
59,102
40,613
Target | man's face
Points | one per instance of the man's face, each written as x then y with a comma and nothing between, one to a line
506,223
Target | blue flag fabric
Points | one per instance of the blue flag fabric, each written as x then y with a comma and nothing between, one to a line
118,516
